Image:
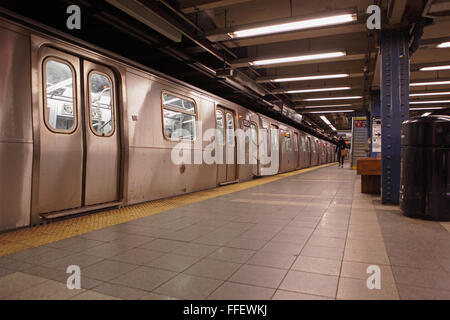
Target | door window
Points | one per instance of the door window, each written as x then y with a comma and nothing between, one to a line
230,129
295,141
59,106
101,104
220,126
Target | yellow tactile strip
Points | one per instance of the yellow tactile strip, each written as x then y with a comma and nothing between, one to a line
19,240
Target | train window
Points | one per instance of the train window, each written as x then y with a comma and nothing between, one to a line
60,105
287,141
303,144
254,134
178,117
265,133
254,142
230,129
274,135
313,146
295,141
220,126
179,103
101,104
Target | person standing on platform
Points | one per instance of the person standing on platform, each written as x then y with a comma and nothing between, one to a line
341,151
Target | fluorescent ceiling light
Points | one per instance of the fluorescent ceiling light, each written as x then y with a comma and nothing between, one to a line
430,94
318,90
330,106
429,102
305,57
429,108
333,98
435,68
318,77
444,45
331,111
426,114
431,83
292,26
324,119
328,122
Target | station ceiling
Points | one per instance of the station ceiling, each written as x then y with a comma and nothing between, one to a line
235,48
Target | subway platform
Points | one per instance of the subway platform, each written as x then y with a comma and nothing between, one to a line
304,235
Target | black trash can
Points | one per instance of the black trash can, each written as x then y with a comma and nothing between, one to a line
425,168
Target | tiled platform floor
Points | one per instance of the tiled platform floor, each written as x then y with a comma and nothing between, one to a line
308,236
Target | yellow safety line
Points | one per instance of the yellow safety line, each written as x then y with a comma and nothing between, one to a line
19,240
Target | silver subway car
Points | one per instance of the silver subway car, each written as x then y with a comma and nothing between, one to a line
83,129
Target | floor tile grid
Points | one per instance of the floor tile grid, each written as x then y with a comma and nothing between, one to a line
355,295
19,240
290,267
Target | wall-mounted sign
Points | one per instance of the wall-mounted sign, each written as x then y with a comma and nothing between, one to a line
376,135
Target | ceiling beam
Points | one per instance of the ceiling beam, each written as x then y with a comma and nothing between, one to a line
190,6
396,10
148,17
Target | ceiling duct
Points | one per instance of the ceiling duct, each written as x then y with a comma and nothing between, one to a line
145,15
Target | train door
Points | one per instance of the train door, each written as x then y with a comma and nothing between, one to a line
101,135
296,151
264,150
78,160
308,150
254,152
227,169
275,148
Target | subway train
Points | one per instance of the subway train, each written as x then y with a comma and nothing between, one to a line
82,129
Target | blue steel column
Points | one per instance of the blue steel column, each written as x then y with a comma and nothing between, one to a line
394,109
374,113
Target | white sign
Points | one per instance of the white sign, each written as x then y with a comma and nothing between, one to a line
376,135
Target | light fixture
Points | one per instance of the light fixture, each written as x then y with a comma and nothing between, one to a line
304,57
331,111
446,93
429,102
426,114
333,98
435,68
444,45
318,90
330,106
430,83
293,26
427,108
318,77
328,122
325,120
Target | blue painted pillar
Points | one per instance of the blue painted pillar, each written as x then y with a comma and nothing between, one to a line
374,116
394,108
